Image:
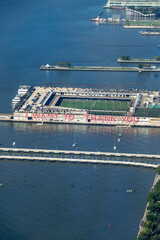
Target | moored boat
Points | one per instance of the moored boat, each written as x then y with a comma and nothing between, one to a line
99,19
149,33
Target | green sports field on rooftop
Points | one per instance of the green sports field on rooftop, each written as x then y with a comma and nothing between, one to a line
99,105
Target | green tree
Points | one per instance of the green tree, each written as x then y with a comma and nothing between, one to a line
151,217
145,235
142,65
64,64
125,57
158,169
155,237
157,58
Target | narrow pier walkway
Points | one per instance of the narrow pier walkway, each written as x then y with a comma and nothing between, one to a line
99,68
75,160
139,160
88,153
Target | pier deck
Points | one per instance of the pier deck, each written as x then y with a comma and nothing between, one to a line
79,156
99,68
136,60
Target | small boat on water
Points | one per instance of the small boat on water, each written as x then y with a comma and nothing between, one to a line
129,191
40,123
114,148
74,144
99,20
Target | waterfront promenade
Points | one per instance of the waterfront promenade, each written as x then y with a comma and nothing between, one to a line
138,160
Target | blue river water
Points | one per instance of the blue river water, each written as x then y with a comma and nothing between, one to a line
70,201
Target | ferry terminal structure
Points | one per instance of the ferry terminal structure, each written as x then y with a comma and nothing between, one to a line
131,3
110,107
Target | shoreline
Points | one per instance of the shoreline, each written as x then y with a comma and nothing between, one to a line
42,122
157,178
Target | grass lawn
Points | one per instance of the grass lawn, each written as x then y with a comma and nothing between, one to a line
147,112
96,104
143,23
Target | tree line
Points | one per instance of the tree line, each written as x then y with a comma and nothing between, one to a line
151,228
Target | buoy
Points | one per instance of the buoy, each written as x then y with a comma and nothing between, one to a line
109,226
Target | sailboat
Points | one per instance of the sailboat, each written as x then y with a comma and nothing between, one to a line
74,143
40,124
114,148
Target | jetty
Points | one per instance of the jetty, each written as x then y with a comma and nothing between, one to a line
127,159
89,68
99,69
138,60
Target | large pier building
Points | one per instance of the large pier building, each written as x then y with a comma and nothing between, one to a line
88,106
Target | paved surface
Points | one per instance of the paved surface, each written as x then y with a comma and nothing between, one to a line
80,156
31,158
109,154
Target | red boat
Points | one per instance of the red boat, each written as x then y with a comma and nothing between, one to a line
99,20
